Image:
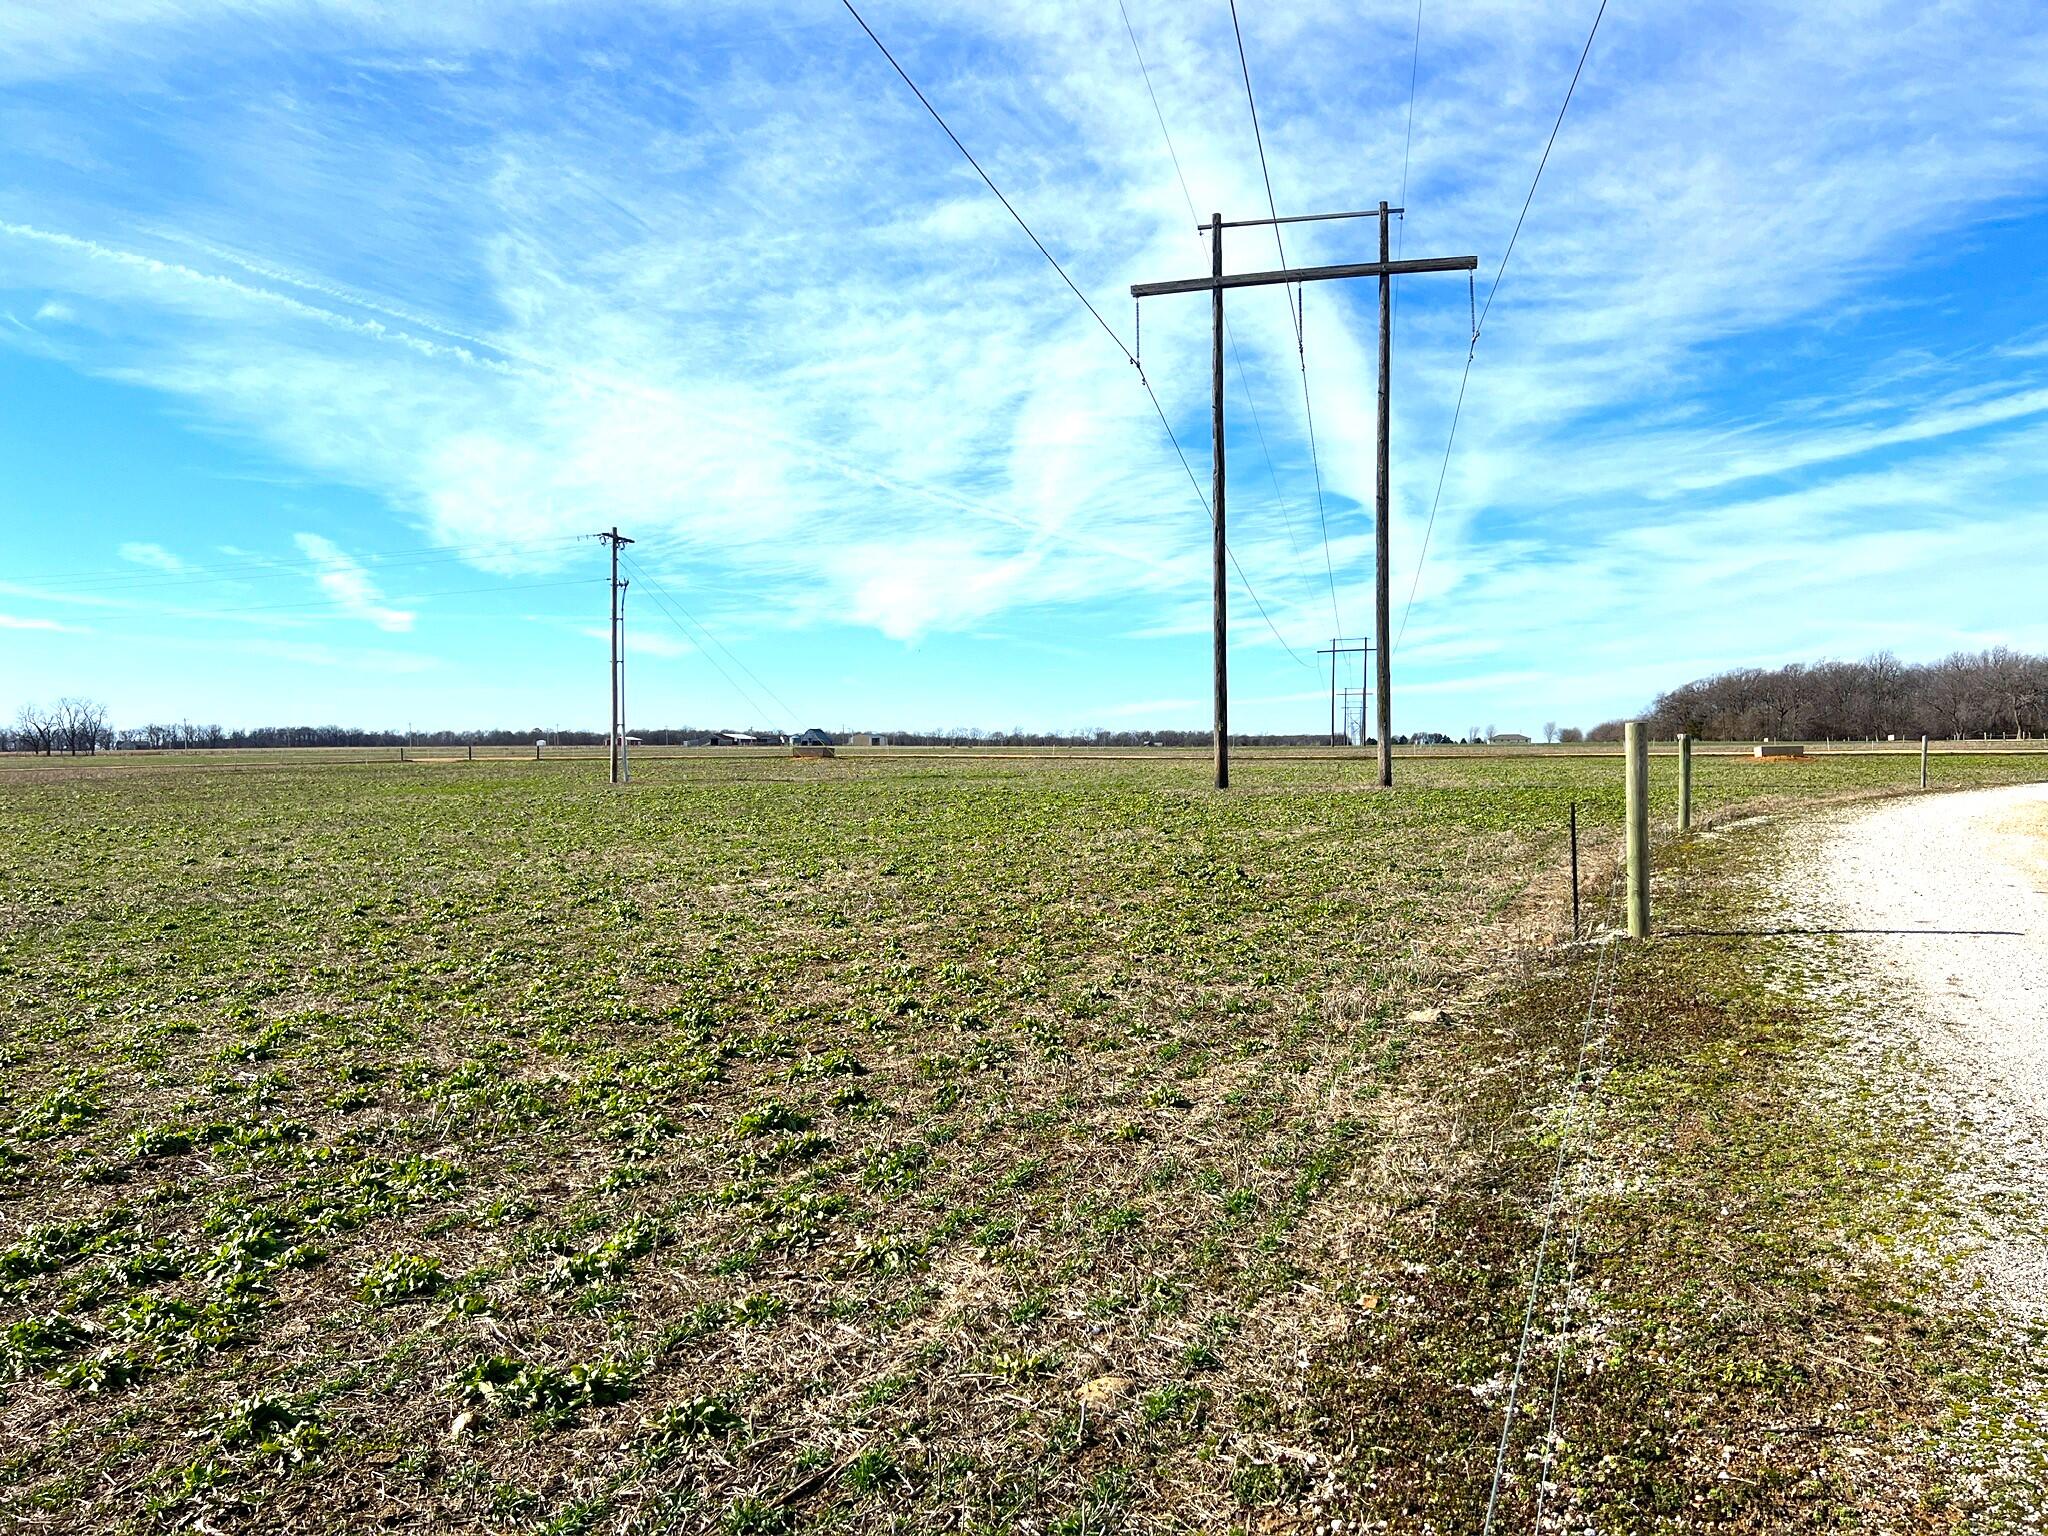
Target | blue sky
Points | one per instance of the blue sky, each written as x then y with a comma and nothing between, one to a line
326,328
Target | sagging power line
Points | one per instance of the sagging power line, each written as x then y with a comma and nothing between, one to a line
680,616
1130,356
1297,312
1236,353
1479,319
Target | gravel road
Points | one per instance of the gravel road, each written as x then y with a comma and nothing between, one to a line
1941,904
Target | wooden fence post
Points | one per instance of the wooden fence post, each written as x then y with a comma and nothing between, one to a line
1923,762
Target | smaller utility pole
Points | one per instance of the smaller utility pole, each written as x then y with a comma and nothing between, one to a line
617,732
1340,698
625,768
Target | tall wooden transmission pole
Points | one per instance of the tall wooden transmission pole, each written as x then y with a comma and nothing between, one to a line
1219,549
1214,284
1382,540
617,733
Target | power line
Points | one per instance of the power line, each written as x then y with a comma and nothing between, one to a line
1237,355
1548,146
1408,138
1129,356
1479,322
1296,312
1235,564
934,111
662,592
670,613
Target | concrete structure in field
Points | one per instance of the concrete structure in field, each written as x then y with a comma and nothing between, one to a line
1765,751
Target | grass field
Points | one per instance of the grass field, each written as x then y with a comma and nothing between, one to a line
973,1144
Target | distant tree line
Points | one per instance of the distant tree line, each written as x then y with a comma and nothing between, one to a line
1999,692
80,726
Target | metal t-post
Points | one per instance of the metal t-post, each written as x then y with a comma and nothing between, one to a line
1637,798
1684,783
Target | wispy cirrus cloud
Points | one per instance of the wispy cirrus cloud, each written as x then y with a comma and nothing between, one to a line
641,641
154,556
349,586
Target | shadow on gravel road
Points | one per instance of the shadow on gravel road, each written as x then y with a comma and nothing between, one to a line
1781,933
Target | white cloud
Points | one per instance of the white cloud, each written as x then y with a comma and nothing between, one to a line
56,311
17,621
641,641
153,555
348,585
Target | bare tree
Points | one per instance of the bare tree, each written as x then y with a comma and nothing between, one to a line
2010,687
80,724
1550,730
37,727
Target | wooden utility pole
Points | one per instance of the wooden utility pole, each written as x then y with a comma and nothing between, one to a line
625,767
1382,541
617,733
1214,285
1219,551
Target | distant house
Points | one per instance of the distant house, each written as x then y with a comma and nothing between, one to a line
812,738
735,739
866,739
1509,739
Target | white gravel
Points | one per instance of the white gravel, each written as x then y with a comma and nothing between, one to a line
1941,903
